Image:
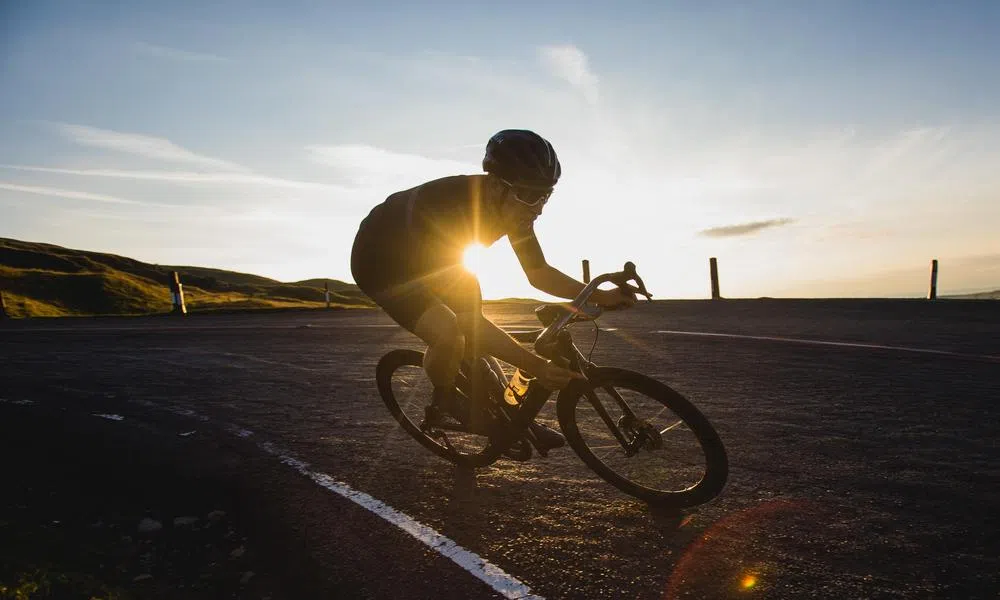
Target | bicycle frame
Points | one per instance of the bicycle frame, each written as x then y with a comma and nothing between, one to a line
556,343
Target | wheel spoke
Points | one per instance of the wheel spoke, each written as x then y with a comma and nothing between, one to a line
669,427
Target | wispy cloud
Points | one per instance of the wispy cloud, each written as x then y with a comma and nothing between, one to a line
183,177
571,64
142,145
744,228
61,193
368,165
178,54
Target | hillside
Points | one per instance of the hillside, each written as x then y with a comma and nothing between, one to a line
46,280
994,295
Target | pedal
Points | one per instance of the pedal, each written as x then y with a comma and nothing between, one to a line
519,451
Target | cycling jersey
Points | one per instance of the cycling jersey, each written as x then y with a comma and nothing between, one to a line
407,254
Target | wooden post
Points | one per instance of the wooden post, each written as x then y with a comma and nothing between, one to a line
326,293
586,271
3,308
714,268
932,293
177,294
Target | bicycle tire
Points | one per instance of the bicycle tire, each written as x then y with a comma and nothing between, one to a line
387,366
716,466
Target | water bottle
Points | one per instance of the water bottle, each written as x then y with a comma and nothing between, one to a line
517,389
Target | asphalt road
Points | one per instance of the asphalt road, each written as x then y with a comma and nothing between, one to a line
861,437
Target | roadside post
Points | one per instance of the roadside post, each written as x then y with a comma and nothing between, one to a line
714,270
177,294
932,293
326,293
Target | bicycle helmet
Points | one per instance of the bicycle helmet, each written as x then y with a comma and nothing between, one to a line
522,158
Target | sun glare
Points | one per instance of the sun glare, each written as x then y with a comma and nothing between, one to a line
472,258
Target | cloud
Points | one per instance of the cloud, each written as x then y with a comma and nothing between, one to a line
183,177
571,64
178,54
744,228
142,145
368,165
61,193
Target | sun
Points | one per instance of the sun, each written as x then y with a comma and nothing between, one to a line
472,258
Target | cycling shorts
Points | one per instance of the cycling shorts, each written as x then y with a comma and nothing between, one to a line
387,268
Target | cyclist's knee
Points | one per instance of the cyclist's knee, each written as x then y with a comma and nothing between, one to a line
448,348
439,328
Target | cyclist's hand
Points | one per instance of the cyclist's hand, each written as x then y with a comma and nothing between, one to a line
554,377
613,299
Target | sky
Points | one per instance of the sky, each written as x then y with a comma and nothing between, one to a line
817,149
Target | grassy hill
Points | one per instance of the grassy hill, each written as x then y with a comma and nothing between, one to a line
47,280
994,295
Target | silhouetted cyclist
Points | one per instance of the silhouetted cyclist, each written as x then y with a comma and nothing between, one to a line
408,251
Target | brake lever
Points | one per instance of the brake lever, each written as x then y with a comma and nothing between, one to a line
630,274
642,288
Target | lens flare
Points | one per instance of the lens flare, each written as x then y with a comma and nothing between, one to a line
472,258
749,581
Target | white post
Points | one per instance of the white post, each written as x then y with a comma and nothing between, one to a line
177,294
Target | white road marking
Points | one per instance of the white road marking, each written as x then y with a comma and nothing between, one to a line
769,338
490,574
110,417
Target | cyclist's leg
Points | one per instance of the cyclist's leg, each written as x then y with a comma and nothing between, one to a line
420,312
459,290
407,299
383,270
462,294
438,327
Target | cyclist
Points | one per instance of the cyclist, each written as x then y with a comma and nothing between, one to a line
407,256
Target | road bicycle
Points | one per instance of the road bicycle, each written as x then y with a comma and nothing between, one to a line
635,432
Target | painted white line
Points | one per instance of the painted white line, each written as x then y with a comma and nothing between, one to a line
769,338
490,574
110,417
493,576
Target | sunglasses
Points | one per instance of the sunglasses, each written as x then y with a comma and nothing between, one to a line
534,197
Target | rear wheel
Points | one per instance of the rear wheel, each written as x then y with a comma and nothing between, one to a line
643,437
407,393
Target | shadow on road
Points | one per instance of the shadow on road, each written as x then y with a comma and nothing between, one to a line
667,520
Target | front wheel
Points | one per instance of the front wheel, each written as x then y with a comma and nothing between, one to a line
643,437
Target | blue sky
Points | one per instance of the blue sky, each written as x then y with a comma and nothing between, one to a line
817,149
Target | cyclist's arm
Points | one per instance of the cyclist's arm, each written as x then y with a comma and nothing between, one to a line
541,275
546,278
551,280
